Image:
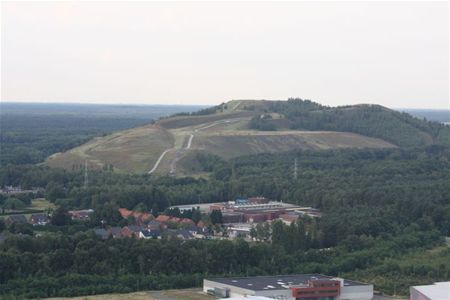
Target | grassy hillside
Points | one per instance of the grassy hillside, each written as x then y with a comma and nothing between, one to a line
242,127
238,143
30,132
134,150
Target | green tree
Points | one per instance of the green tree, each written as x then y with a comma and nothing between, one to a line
60,217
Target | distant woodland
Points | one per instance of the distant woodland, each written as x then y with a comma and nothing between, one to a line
385,211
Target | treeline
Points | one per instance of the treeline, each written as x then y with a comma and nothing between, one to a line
376,204
370,192
57,265
108,191
371,120
377,191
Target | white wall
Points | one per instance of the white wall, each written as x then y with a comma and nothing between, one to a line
357,292
284,294
234,291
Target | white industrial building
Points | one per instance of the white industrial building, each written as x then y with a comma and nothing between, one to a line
437,291
290,287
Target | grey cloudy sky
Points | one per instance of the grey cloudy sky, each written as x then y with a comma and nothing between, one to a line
391,53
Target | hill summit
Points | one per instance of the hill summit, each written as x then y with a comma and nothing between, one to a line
241,127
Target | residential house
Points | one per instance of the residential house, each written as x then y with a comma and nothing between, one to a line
155,225
131,231
192,229
175,220
81,215
201,224
15,219
187,221
39,219
116,232
140,217
163,218
125,213
150,234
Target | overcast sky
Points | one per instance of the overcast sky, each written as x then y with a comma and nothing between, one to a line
391,53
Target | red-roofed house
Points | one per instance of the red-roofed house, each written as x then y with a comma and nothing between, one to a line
163,218
142,217
175,220
187,221
125,213
131,231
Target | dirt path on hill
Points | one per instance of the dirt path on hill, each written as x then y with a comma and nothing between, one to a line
180,153
159,160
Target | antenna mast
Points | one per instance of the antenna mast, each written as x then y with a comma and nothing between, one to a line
295,169
85,175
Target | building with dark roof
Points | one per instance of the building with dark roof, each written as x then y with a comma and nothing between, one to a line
291,287
150,234
116,232
131,231
18,219
102,233
81,215
39,219
154,225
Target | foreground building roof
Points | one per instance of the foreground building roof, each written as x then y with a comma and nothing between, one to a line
436,291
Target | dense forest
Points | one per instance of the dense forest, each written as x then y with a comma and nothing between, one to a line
376,204
385,213
81,264
399,128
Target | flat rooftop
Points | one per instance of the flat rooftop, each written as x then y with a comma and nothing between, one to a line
259,283
437,291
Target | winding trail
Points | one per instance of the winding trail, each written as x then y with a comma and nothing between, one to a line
188,145
158,161
191,137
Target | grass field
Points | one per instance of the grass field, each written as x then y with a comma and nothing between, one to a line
39,204
134,150
225,134
235,143
186,294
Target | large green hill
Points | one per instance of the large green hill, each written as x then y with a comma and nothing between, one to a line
242,127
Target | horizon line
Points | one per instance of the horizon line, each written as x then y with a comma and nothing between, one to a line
188,104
